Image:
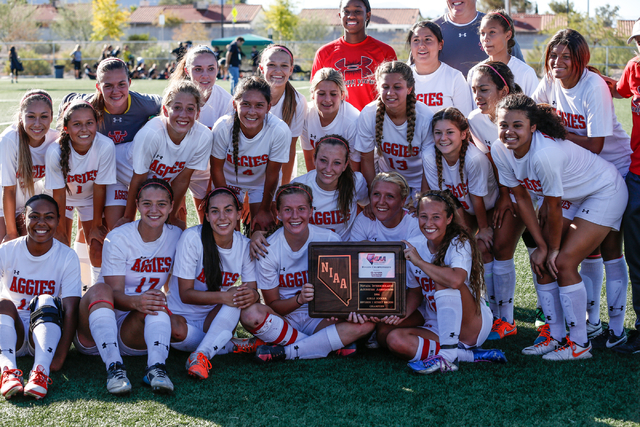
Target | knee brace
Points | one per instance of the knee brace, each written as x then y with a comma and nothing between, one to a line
49,311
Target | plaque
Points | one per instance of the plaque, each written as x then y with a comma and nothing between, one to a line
363,277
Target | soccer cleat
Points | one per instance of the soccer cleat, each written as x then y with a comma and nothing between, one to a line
540,319
632,346
198,365
12,382
117,381
594,330
541,348
347,350
545,334
372,342
433,364
608,339
501,328
246,345
38,383
489,355
569,351
156,377
270,353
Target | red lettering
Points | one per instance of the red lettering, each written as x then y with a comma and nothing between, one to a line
574,121
292,280
532,185
398,150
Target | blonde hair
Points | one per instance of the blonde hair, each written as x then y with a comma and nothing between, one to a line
330,75
182,86
393,177
187,62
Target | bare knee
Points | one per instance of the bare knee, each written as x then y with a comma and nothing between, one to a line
397,341
253,316
9,308
179,328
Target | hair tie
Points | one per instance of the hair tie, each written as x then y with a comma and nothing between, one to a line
114,58
282,48
331,138
29,95
439,196
157,184
228,190
499,75
503,17
294,186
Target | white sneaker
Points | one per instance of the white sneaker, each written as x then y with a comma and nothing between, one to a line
594,330
542,348
12,382
117,381
570,351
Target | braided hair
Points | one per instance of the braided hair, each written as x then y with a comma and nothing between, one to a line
460,122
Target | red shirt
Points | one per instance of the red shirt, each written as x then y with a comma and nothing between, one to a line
357,63
629,86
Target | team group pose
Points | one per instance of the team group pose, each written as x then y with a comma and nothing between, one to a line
457,160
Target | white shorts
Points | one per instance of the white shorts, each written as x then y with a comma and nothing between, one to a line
25,349
85,213
200,183
117,195
487,322
302,322
253,195
603,208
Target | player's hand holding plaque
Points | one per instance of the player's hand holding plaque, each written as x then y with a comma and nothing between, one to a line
363,277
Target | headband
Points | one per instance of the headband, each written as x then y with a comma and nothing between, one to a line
499,75
297,187
332,138
228,190
29,95
114,58
282,48
149,184
76,101
503,17
438,195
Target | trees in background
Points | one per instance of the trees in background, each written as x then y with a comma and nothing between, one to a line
109,20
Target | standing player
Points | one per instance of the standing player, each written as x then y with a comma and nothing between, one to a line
276,65
210,259
437,84
39,296
125,314
356,55
283,278
583,101
169,147
395,125
24,145
328,113
250,148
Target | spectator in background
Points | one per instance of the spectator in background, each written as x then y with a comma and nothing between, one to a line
179,51
234,59
106,52
255,59
88,72
115,52
77,61
152,74
128,57
460,31
16,65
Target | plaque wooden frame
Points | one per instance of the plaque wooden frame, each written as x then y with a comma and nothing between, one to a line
357,277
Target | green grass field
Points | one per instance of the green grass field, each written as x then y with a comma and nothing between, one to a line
372,388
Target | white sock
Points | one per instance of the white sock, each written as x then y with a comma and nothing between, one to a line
426,348
592,272
275,330
95,274
85,265
315,346
192,341
8,342
46,337
491,295
574,302
465,355
157,336
104,330
617,283
504,282
552,308
449,316
220,331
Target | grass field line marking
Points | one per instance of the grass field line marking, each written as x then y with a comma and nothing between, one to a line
6,124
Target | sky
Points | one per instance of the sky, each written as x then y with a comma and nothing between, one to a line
629,9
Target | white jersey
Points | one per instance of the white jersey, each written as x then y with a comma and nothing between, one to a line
144,265
272,143
365,229
554,168
326,213
479,179
344,124
219,104
523,75
298,117
458,255
285,269
96,166
395,148
236,263
587,110
155,154
445,87
24,276
483,130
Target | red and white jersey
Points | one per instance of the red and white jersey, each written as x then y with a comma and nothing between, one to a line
285,269
219,104
483,130
553,168
56,273
344,124
395,148
445,87
326,213
479,179
97,166
298,117
144,265
458,255
236,263
587,110
523,75
365,229
272,143
155,154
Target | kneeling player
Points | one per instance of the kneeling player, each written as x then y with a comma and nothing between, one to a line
40,291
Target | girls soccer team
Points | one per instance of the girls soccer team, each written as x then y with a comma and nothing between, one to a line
459,192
